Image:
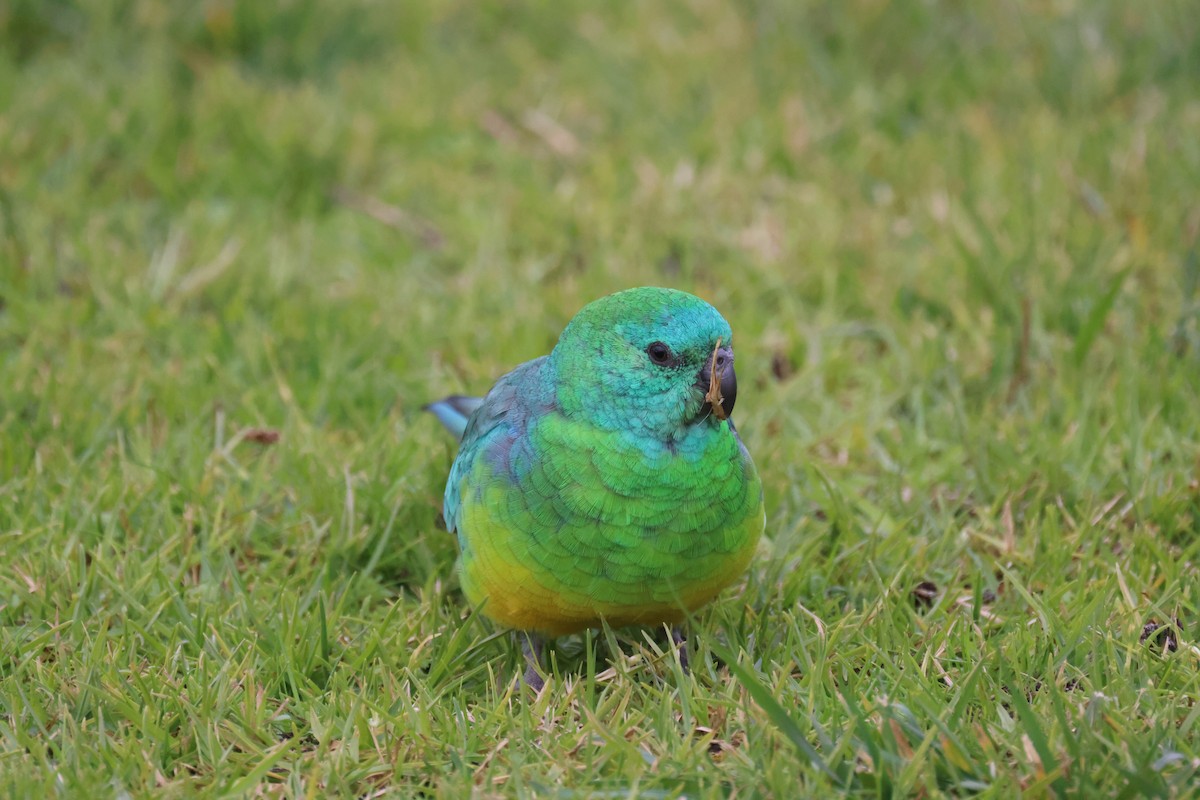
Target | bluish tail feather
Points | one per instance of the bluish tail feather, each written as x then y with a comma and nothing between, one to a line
453,412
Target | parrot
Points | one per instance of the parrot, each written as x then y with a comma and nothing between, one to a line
605,483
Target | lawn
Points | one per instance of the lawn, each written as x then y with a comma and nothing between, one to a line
241,243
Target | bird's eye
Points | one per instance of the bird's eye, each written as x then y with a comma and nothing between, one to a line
659,353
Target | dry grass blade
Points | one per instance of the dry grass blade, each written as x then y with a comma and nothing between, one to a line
714,397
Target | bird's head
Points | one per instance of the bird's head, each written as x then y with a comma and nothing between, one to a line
651,360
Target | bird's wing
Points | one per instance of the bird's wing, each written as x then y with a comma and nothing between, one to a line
497,419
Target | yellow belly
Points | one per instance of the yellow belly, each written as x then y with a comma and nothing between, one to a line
509,586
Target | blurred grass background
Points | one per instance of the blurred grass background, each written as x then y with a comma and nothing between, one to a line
956,242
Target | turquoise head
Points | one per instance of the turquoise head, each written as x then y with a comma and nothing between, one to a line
643,359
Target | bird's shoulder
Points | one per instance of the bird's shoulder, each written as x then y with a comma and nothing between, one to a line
511,402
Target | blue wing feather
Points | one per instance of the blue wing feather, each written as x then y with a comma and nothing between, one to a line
488,423
454,412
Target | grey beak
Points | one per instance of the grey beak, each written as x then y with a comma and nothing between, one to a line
726,376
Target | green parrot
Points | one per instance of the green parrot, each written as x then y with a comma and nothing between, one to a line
605,482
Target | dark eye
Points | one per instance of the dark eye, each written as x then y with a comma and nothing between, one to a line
659,353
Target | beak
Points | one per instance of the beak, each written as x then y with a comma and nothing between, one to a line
722,364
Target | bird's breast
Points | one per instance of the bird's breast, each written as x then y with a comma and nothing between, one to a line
575,523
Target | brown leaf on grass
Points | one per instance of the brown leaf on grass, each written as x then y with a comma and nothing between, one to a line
481,770
1162,635
30,584
260,435
718,749
392,216
781,366
1032,756
552,132
967,603
924,594
902,743
1021,371
714,745
1010,529
498,127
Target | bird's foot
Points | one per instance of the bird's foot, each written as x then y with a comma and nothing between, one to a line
680,642
532,646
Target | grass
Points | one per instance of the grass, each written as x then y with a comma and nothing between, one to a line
958,246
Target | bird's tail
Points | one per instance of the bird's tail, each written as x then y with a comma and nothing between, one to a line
454,411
